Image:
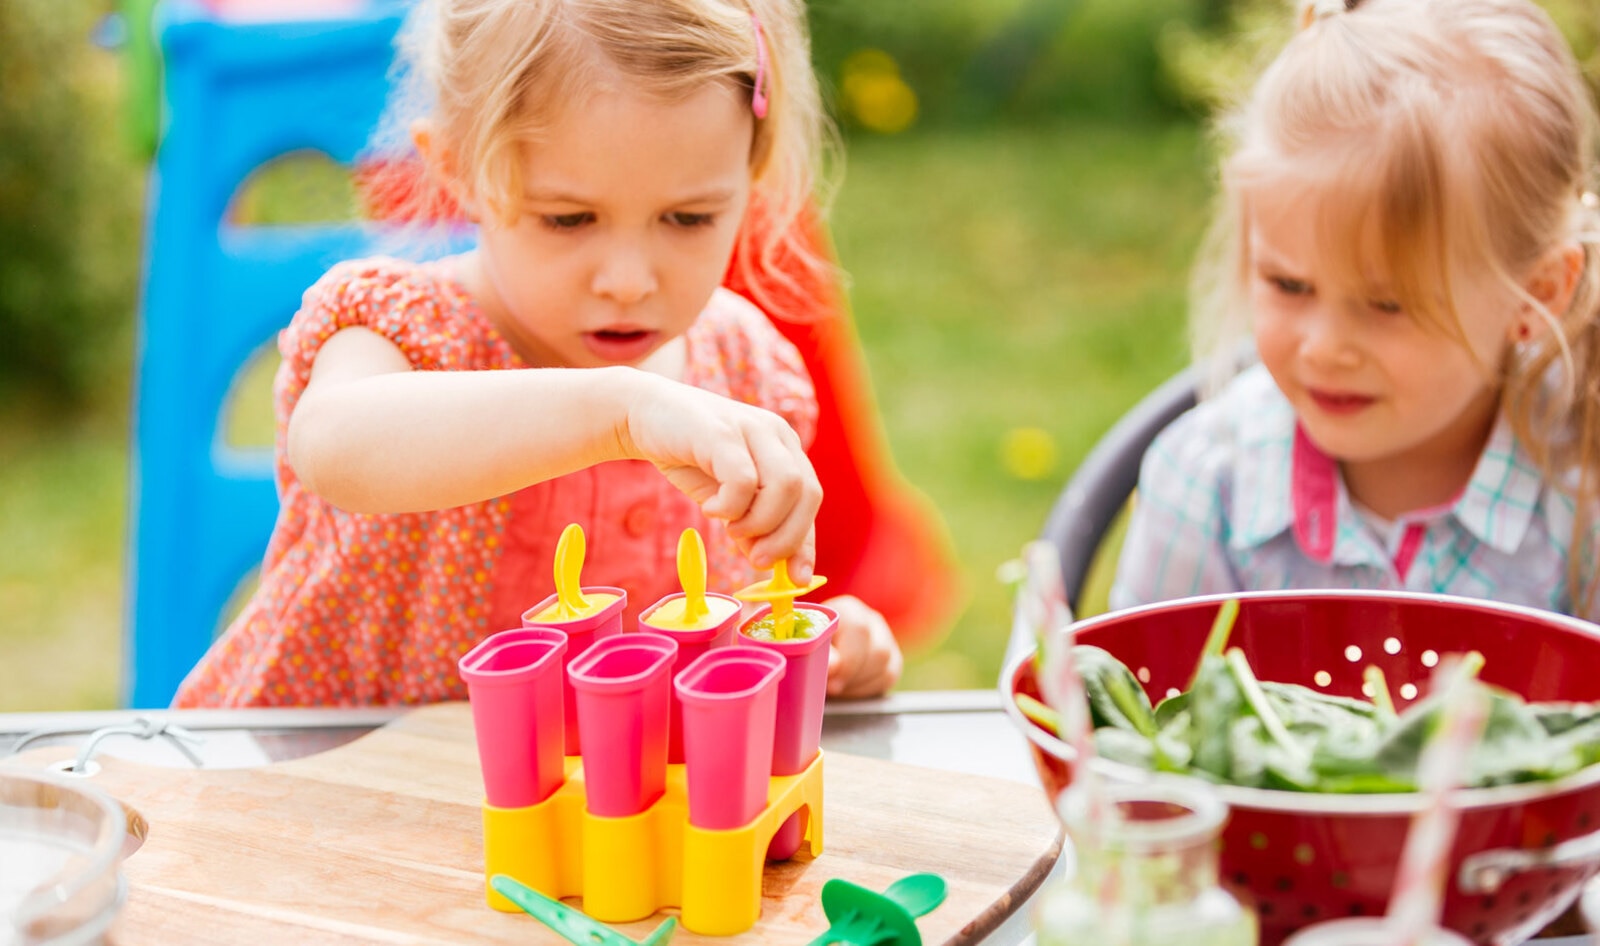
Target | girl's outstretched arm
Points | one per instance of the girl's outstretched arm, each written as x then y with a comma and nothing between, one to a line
371,435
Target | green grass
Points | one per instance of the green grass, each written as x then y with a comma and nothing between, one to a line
1002,279
63,501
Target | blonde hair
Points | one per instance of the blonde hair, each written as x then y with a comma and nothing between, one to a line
1461,133
493,73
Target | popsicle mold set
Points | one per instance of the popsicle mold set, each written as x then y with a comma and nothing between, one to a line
657,767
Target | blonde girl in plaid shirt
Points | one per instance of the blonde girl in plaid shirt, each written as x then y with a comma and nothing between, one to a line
1409,231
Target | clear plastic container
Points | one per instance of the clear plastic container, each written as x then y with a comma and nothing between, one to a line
61,849
1147,877
1589,906
1366,931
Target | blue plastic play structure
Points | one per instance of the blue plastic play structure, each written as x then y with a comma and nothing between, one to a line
236,96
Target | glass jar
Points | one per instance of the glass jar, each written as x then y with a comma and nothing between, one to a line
1366,931
1147,877
1589,906
61,847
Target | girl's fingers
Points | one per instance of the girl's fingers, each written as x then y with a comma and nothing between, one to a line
749,469
850,643
794,540
737,477
877,685
780,518
868,661
692,482
803,561
772,508
878,674
784,474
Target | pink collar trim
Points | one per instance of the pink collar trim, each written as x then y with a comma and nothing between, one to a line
1314,487
1313,498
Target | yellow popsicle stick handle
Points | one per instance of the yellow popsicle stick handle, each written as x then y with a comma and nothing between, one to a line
570,552
783,619
783,605
780,577
692,575
779,586
780,590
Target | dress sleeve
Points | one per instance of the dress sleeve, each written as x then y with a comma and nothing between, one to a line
403,302
760,366
1177,541
395,299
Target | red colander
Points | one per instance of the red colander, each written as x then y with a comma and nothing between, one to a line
1521,853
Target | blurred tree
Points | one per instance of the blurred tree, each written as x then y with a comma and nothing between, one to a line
972,62
1001,65
69,210
1215,63
1580,20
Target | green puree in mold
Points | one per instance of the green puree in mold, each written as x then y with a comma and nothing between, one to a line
807,624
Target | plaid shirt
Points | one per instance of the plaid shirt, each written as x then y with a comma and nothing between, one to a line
1234,497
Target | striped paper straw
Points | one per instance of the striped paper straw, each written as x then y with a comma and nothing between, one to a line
1043,604
1418,898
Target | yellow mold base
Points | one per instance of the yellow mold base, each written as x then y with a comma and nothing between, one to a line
629,868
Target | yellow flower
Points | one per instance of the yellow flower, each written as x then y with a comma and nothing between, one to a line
875,94
1028,453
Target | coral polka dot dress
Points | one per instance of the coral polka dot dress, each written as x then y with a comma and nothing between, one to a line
356,609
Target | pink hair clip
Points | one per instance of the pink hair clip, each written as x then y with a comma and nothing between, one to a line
758,94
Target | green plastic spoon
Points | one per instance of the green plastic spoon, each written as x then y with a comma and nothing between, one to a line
860,917
570,922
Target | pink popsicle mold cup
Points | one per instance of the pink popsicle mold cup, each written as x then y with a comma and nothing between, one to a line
730,703
801,695
514,683
581,635
691,644
624,687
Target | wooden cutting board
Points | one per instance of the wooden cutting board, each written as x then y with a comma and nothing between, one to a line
380,841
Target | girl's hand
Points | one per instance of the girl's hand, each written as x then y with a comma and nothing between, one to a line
865,658
741,463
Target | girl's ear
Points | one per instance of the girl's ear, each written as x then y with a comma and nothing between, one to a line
1551,283
441,163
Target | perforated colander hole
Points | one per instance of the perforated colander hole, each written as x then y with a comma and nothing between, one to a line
1339,880
1524,898
1352,653
1258,840
1304,854
1480,930
1241,879
1283,885
1408,691
1172,691
1391,645
1309,911
1144,674
1358,909
1322,678
1430,659
1486,904
1584,819
1369,691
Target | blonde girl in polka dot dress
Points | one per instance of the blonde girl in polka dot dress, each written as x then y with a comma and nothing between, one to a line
439,423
